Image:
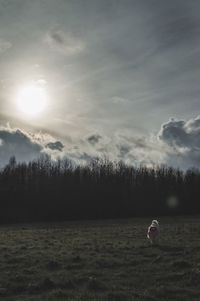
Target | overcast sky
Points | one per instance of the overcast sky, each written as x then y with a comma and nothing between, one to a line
122,78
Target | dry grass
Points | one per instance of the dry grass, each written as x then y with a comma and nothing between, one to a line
107,260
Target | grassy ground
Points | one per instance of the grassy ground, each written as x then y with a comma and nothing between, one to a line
107,260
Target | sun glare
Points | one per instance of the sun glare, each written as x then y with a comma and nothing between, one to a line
32,99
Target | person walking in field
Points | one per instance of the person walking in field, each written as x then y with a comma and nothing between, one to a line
153,231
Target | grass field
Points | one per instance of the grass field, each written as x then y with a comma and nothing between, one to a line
105,260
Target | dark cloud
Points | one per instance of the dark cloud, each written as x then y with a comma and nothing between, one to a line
94,139
174,133
182,134
193,125
19,144
183,137
58,37
55,145
27,146
65,42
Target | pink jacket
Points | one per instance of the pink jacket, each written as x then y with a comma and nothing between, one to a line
152,232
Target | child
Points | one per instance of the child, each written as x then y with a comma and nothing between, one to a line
153,231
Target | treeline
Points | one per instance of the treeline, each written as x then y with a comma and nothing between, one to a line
45,190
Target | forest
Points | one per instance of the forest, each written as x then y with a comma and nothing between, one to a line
46,190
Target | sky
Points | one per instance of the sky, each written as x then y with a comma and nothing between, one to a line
121,79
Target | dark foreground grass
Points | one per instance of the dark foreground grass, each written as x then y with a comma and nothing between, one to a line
108,260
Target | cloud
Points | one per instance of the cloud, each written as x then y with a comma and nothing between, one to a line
177,144
181,134
174,133
94,139
4,45
15,142
136,150
130,148
183,138
58,37
65,43
27,146
55,145
124,150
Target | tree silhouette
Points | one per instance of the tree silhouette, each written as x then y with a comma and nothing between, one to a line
46,190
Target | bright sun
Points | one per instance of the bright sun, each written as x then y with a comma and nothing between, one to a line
32,99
